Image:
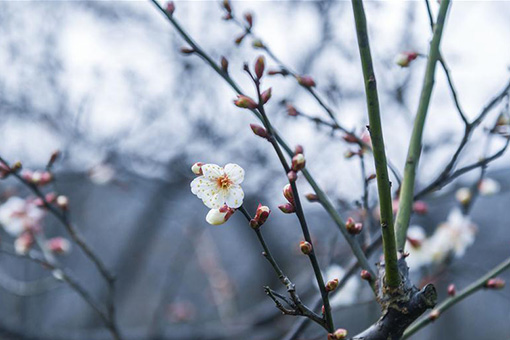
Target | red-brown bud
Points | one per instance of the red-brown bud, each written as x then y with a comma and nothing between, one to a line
495,283
451,289
292,176
260,64
170,7
306,247
287,208
291,110
298,162
371,177
226,6
245,102
259,131
54,156
266,95
420,207
350,138
240,39
349,154
365,275
261,215
224,64
298,149
312,197
434,315
306,81
187,50
257,43
249,19
331,285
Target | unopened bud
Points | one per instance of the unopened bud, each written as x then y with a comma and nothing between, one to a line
291,110
349,223
495,283
331,285
434,315
312,197
224,64
288,193
258,43
405,58
50,197
197,168
463,196
503,120
298,162
420,207
266,95
287,208
306,247
170,7
340,334
306,81
292,176
245,102
58,245
350,138
54,156
16,166
240,39
365,275
63,202
23,243
371,177
451,290
259,131
259,66
219,216
261,215
226,6
249,19
349,154
46,177
187,50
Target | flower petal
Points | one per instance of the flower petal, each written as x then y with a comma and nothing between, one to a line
214,199
201,186
212,171
235,196
235,173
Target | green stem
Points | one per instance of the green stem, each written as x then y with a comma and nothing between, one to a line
381,167
469,290
415,145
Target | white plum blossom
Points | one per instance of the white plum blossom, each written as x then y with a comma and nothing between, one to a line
102,174
451,238
18,215
219,186
219,216
488,187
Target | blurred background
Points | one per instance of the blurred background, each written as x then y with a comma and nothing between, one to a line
105,83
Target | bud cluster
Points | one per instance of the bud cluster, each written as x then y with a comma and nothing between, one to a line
37,177
331,285
353,228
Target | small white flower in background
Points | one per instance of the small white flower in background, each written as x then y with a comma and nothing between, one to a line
101,174
18,215
417,247
219,186
348,294
219,216
463,196
23,243
488,187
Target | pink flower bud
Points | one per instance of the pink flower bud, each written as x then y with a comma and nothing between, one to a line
350,138
262,214
50,197
365,275
23,243
187,50
38,202
495,283
249,19
224,64
58,245
305,247
259,131
340,334
259,66
451,290
306,81
170,7
197,168
434,315
63,202
420,207
349,223
27,175
404,59
291,110
312,197
257,43
298,162
298,149
292,176
287,208
46,177
331,285
288,194
266,95
245,102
